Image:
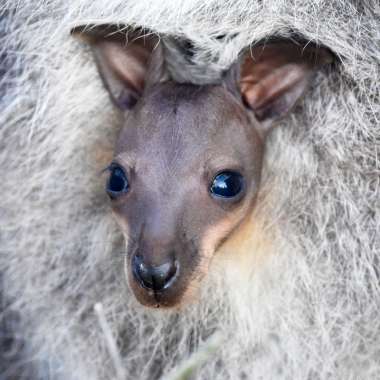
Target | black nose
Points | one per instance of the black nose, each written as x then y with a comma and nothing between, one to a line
154,277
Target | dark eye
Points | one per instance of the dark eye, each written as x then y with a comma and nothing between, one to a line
227,184
117,183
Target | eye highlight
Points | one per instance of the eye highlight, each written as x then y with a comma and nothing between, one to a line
117,183
227,184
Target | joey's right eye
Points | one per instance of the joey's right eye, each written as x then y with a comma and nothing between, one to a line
117,183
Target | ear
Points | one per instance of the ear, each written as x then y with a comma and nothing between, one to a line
274,76
126,59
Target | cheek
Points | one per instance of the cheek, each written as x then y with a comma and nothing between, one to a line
224,228
217,233
123,224
214,235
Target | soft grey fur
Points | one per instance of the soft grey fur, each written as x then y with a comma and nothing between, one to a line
309,309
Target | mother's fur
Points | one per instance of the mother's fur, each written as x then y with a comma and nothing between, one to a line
295,293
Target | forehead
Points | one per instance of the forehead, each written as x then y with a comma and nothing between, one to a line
185,122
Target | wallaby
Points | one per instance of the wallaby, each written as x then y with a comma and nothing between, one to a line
187,163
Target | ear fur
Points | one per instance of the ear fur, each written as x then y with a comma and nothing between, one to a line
274,76
127,59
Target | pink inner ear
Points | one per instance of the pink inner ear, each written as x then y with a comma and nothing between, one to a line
124,58
129,64
274,76
259,93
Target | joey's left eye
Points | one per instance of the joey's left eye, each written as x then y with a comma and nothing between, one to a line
118,182
227,184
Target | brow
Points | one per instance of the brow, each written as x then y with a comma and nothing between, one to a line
125,159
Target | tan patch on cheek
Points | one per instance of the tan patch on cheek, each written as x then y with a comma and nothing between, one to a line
124,227
212,238
248,246
214,235
123,224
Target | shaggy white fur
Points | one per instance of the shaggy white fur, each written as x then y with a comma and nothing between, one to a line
297,297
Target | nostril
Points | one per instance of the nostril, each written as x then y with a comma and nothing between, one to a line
154,277
141,271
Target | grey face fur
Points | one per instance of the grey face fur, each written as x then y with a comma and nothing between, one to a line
176,139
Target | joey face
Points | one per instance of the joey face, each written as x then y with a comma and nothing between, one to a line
185,174
187,163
